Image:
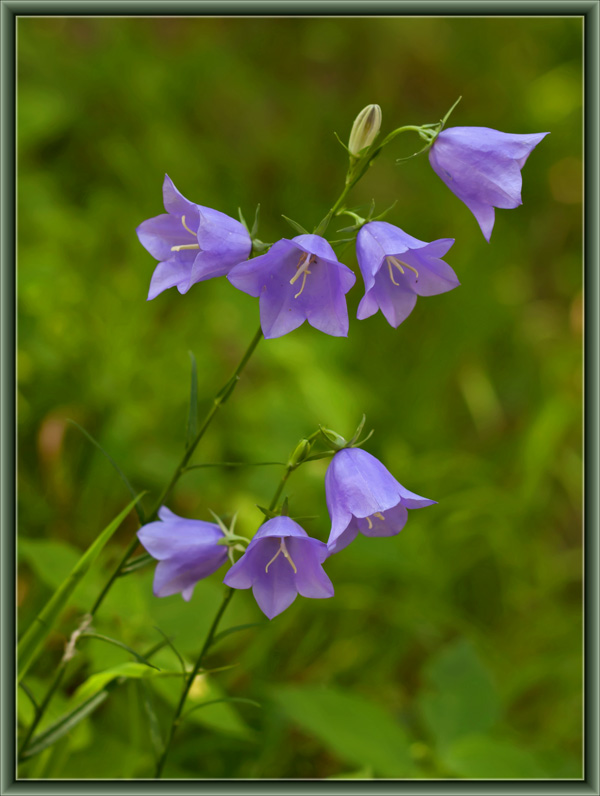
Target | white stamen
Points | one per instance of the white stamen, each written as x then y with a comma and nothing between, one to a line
185,246
282,549
185,226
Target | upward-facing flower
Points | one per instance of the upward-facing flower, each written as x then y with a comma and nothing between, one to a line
483,168
280,562
362,496
193,243
186,550
297,280
397,268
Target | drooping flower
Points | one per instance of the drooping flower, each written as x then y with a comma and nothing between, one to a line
297,280
186,550
363,496
280,562
397,268
192,243
483,168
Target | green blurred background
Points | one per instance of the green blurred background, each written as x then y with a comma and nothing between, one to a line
452,650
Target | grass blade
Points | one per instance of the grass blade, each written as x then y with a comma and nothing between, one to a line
224,699
114,641
235,629
42,624
192,425
116,467
64,725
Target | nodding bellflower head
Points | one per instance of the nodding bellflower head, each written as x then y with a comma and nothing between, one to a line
186,550
363,496
280,562
192,243
397,268
297,280
483,168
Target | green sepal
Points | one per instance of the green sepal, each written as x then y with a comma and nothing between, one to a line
269,513
254,229
295,225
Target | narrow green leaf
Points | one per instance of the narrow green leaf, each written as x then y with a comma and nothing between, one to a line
254,229
109,640
42,624
63,725
224,699
192,425
230,630
139,562
153,723
295,225
174,648
30,696
118,470
241,217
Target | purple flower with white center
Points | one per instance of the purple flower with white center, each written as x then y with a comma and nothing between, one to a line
397,268
187,551
483,168
297,280
363,496
280,562
193,243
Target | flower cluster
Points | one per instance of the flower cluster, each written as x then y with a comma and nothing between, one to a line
282,560
301,279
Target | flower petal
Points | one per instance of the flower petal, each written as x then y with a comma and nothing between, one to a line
275,590
308,555
159,234
176,204
387,523
171,273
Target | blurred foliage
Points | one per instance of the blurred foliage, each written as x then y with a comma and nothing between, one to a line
453,650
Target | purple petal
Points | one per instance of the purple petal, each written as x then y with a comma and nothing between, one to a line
180,537
178,575
395,301
280,527
275,590
168,274
334,545
485,215
254,276
176,204
159,234
308,555
323,299
386,523
413,501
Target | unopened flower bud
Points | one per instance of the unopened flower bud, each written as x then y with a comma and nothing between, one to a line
365,129
333,437
300,453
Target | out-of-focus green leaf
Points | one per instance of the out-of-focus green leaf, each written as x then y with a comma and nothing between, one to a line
482,757
42,624
460,698
96,682
355,729
224,633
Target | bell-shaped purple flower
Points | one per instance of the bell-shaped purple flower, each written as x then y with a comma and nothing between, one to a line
362,495
397,268
280,562
297,280
193,243
483,168
186,550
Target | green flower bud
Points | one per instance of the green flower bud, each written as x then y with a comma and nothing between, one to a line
365,129
300,453
333,437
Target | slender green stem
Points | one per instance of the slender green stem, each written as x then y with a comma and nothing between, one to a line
208,641
189,682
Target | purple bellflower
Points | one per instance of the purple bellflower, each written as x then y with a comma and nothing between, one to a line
186,550
363,496
280,562
192,243
397,268
297,280
483,168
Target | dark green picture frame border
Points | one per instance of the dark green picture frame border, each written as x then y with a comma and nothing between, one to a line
589,11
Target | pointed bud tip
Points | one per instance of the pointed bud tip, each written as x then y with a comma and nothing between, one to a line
365,129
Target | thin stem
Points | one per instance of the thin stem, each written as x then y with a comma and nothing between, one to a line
208,641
